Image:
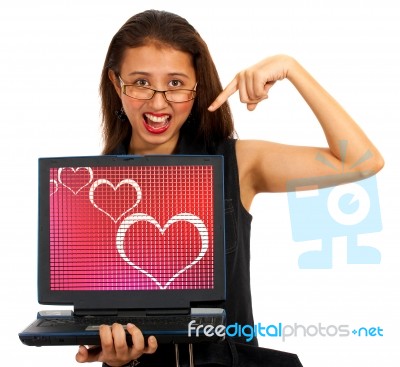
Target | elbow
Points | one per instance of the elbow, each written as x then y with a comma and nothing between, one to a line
374,166
378,163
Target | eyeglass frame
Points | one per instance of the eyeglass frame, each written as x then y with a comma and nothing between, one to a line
124,85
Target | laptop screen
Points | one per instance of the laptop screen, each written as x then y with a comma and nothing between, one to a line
130,225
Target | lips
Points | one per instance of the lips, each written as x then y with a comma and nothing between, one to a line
156,124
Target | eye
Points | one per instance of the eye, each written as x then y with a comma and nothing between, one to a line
175,83
141,83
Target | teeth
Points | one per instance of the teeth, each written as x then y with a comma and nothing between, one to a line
161,119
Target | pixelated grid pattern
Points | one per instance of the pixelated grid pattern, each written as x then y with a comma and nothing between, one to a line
131,228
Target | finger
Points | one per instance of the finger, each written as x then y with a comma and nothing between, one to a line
255,90
137,340
251,106
259,91
251,90
230,89
107,341
244,86
152,345
82,355
119,338
88,354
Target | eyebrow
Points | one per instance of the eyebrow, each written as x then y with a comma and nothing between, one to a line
138,72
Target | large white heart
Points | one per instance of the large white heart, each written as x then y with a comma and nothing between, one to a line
137,217
127,181
79,186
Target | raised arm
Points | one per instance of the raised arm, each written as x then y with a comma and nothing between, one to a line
268,167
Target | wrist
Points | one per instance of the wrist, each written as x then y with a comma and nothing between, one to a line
291,67
132,363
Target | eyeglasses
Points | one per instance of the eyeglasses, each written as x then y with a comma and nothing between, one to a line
146,93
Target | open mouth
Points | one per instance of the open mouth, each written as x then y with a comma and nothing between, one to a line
156,124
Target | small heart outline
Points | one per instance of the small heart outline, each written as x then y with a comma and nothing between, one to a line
76,169
127,181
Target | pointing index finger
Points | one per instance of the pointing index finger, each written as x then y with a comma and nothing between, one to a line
230,89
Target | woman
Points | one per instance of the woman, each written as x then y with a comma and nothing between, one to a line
161,94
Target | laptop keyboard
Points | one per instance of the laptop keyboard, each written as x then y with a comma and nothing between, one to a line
149,323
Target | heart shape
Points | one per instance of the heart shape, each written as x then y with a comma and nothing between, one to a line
53,187
76,181
138,217
127,181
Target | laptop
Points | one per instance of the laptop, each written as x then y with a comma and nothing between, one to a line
136,239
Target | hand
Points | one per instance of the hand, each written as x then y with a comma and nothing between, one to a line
114,350
255,82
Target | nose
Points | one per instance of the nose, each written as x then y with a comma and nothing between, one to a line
158,101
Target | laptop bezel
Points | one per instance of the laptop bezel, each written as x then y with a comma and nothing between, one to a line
130,299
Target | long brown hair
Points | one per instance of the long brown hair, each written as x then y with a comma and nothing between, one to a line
209,128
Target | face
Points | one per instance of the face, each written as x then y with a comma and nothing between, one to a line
156,122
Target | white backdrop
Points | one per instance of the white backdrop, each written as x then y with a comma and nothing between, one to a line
51,57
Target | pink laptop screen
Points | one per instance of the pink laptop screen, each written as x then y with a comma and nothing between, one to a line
131,228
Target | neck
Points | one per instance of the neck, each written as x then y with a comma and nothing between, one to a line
149,149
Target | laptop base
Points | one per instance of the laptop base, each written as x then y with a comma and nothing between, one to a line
200,325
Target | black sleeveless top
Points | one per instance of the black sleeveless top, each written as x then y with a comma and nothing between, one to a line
238,303
237,234
237,242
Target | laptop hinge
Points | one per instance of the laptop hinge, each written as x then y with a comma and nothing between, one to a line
89,312
138,312
166,312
